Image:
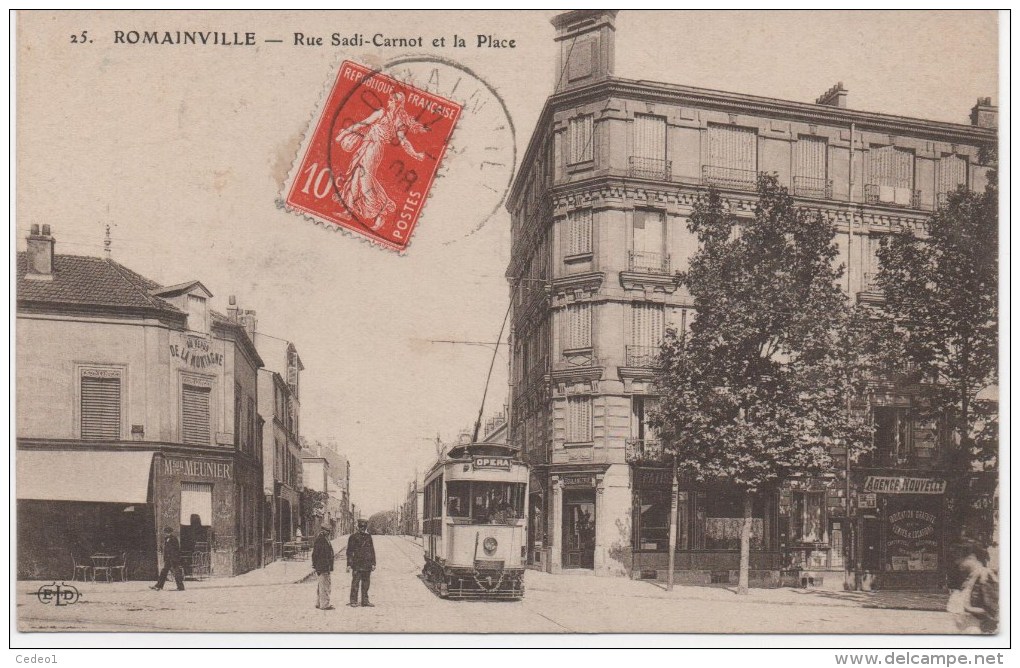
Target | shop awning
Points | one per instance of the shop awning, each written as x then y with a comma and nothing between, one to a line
63,475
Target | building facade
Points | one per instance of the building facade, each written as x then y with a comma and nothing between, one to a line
327,470
599,214
280,408
136,412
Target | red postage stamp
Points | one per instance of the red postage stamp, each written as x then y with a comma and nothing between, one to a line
373,155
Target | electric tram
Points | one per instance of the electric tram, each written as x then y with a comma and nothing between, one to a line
474,522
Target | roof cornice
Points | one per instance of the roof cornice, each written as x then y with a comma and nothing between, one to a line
650,91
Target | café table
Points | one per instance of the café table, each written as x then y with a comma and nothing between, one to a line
103,562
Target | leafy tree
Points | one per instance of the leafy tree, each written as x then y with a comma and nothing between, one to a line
313,508
759,387
941,297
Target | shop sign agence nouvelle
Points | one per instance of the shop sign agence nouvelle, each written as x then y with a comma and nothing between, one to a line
898,485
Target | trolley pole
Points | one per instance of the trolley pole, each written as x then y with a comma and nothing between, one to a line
673,509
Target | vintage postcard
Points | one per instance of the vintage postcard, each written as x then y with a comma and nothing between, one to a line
514,322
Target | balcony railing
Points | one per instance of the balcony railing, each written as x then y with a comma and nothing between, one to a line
728,177
651,168
643,357
644,450
810,186
878,194
646,262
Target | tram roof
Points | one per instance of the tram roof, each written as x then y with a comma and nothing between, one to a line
462,450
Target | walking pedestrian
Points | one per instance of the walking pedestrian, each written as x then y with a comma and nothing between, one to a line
360,563
322,562
171,561
976,604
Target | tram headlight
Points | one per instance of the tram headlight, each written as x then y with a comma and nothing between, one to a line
490,545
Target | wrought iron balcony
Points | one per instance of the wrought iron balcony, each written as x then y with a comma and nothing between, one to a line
728,177
810,186
643,357
651,168
644,451
646,262
875,193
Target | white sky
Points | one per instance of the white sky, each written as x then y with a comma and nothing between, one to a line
182,150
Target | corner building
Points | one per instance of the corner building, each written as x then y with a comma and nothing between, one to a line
599,214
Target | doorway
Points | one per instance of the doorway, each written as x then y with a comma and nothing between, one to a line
579,528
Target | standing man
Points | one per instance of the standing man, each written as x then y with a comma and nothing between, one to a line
171,561
361,563
322,562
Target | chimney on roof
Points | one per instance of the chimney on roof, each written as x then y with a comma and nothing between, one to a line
834,97
586,38
984,114
40,254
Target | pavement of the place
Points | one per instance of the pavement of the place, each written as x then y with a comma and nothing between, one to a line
281,598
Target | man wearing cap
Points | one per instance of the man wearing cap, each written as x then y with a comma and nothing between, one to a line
360,563
322,562
171,561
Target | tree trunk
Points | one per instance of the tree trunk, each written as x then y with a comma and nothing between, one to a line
745,546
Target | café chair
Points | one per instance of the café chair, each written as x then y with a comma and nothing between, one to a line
122,567
84,569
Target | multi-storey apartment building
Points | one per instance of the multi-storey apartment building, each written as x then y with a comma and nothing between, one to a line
136,413
599,228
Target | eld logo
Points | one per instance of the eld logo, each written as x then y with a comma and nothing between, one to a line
58,594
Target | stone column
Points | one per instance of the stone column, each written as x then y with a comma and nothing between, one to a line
556,526
600,535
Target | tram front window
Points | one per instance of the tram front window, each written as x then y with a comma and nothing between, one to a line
485,502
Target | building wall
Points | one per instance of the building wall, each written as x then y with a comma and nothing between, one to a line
551,273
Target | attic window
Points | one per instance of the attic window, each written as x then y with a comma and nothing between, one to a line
198,314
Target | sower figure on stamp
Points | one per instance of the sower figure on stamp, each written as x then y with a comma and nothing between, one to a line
362,193
171,561
360,563
322,562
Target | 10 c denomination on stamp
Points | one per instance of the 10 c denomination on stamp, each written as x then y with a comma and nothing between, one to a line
371,159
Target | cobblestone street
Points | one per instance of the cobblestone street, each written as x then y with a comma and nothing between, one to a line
281,598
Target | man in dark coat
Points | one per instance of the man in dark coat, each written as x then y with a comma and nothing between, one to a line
322,562
171,561
361,563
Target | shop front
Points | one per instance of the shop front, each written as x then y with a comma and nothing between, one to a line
76,505
709,518
213,503
902,531
813,530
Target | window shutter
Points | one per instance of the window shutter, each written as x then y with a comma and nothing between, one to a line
100,408
646,325
581,130
578,334
891,167
579,224
811,157
952,173
579,419
649,137
732,147
195,415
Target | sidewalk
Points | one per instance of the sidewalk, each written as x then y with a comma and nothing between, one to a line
279,572
621,586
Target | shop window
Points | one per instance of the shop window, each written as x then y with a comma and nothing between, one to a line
579,419
195,414
807,518
100,404
579,232
653,519
724,517
196,504
580,139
